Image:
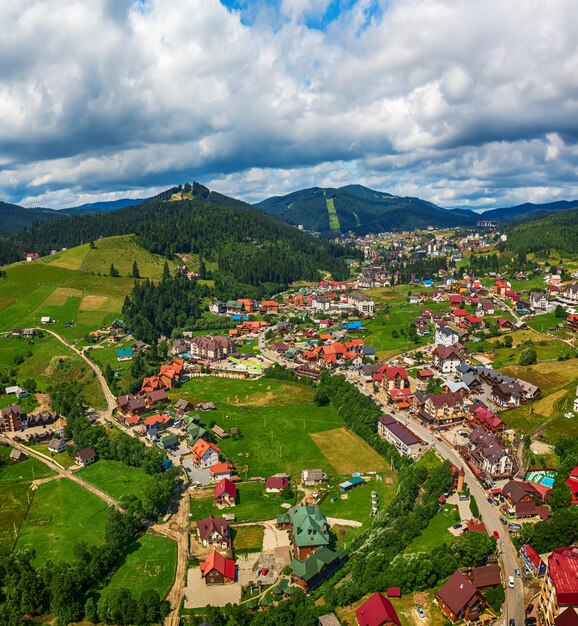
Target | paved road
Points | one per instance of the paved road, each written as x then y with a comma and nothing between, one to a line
514,606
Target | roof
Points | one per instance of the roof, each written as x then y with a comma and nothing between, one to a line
310,528
563,571
532,556
85,453
201,447
399,431
225,487
393,592
476,526
216,561
313,565
276,482
376,611
568,617
486,576
206,527
124,352
457,593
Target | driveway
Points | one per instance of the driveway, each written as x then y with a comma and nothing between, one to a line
201,475
198,594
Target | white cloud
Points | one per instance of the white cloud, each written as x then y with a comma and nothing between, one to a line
457,101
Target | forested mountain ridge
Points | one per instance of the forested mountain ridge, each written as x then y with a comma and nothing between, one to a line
14,217
102,207
557,231
360,210
528,210
256,255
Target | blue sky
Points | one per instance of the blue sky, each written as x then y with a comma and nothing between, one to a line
462,103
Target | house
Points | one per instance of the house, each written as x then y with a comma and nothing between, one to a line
310,477
392,377
377,611
572,322
572,482
364,304
440,410
490,456
10,419
269,306
168,442
532,560
504,324
32,256
400,436
217,569
538,301
221,470
307,527
486,576
277,483
124,354
56,446
459,599
315,569
560,585
46,320
156,397
214,532
16,455
207,348
447,358
446,336
225,493
182,406
205,454
85,457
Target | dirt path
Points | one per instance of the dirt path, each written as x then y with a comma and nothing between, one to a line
177,528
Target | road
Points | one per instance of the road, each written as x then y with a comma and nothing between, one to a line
514,607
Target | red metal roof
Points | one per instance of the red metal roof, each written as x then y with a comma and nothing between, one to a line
225,487
217,561
376,611
563,570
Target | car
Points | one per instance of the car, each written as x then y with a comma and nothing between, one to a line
512,622
264,571
420,612
463,496
511,582
457,526
490,500
497,536
503,520
530,621
517,572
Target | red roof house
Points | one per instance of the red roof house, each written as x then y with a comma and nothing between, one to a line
225,493
218,569
276,484
572,482
377,611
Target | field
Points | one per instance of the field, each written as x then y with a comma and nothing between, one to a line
49,362
360,456
333,217
62,514
74,286
253,504
248,539
15,479
275,419
117,479
150,564
557,380
547,348
63,458
436,532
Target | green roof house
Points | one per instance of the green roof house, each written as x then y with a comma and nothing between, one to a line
309,573
308,527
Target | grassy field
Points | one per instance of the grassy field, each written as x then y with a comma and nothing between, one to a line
253,504
117,479
248,539
348,453
436,533
275,419
333,217
557,380
49,363
74,286
150,564
62,514
547,348
15,480
63,458
105,354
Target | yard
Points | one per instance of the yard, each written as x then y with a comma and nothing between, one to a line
253,504
150,564
117,479
275,419
436,532
547,348
248,539
62,514
62,458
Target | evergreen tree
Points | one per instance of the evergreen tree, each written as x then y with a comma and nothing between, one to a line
113,271
135,270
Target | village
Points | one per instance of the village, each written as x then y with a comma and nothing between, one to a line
424,352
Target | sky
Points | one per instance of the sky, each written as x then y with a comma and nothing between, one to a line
460,102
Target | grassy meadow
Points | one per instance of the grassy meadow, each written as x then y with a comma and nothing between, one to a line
117,479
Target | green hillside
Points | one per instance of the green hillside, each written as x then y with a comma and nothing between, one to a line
74,286
361,210
557,231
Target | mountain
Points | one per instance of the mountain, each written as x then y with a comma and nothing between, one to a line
14,218
528,210
255,254
102,207
361,210
556,231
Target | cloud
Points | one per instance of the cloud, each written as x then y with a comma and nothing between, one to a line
463,103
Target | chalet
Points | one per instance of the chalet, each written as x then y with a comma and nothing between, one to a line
456,300
182,406
269,306
405,441
572,482
440,410
10,419
505,324
225,493
311,477
518,491
392,377
459,599
447,358
170,374
205,454
153,398
308,529
32,256
507,395
85,457
277,483
169,442
321,303
56,446
214,532
486,307
152,383
312,571
490,456
207,348
538,301
217,569
124,354
221,470
446,336
482,416
377,611
233,307
486,576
